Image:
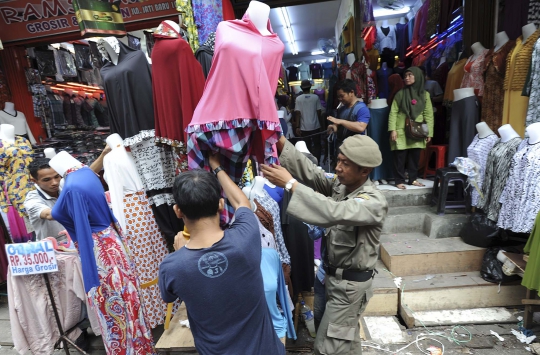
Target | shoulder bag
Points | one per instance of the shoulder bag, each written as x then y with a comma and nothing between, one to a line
416,130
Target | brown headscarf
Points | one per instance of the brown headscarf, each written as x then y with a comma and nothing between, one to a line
395,83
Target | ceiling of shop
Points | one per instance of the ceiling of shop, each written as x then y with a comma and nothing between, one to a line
310,23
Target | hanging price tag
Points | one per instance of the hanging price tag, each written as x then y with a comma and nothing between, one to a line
31,258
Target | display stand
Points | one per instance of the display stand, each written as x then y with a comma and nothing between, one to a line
39,258
63,336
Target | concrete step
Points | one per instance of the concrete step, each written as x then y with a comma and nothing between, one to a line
493,315
385,294
417,196
425,255
423,219
449,291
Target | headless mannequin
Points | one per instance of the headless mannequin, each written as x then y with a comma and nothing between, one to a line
533,131
280,114
69,92
173,25
49,153
113,55
384,66
483,130
507,132
351,58
254,190
402,20
302,147
385,26
378,103
7,133
63,161
477,49
460,94
500,40
10,108
528,30
258,14
96,95
443,60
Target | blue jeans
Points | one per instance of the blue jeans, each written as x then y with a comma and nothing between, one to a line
319,303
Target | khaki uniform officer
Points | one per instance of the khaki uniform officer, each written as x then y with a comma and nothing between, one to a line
352,210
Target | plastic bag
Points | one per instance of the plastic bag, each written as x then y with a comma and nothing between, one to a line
82,57
491,270
480,232
46,63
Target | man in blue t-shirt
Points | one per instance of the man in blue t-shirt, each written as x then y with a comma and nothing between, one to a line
217,273
353,114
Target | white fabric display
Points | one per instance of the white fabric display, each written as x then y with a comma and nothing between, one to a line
19,122
520,202
122,177
267,238
478,152
386,41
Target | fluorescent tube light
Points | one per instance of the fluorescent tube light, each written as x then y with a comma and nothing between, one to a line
388,12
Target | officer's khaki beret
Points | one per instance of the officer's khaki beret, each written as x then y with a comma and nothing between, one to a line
362,150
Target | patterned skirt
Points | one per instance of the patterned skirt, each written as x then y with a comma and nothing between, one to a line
147,249
116,300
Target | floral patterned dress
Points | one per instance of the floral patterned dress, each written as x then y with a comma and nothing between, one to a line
14,175
208,14
184,7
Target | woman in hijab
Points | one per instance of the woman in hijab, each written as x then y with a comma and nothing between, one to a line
395,83
412,101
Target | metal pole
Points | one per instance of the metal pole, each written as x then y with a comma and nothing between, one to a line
65,340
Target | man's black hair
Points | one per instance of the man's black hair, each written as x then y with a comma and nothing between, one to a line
347,86
37,165
197,193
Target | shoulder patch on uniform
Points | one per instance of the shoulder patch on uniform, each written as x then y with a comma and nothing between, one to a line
329,175
362,197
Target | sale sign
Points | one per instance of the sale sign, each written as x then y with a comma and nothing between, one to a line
31,258
27,19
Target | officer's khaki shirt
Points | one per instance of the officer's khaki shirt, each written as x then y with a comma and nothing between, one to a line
353,221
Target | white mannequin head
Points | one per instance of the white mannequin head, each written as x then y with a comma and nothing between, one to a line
114,141
7,133
477,48
63,161
302,147
528,30
533,131
173,25
483,130
500,39
10,108
351,58
49,153
259,13
507,132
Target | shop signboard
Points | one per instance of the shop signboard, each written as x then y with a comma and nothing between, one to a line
31,258
31,19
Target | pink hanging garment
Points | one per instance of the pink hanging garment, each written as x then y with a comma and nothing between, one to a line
17,228
237,114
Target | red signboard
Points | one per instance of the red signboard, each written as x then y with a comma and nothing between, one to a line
28,19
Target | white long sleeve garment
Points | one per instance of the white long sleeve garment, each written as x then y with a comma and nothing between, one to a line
122,177
19,123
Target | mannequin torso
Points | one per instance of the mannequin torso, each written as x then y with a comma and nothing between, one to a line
460,94
49,153
402,20
507,132
10,108
384,66
258,14
443,60
500,40
528,30
7,133
483,130
63,161
533,131
378,103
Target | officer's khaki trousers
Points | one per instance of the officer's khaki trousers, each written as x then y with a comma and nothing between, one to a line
338,333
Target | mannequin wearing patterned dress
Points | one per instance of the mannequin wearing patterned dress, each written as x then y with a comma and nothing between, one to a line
142,235
111,284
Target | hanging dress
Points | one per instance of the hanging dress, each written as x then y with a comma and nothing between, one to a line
496,174
14,175
142,235
533,112
110,278
184,7
478,152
